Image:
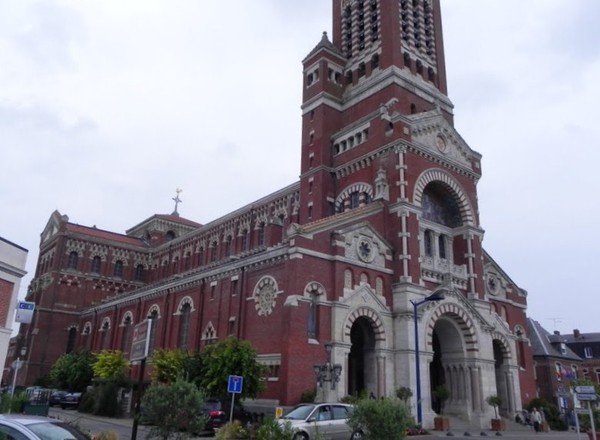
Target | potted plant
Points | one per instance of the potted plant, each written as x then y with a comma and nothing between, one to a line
498,424
442,393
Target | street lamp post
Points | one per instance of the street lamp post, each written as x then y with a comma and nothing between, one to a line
328,372
435,296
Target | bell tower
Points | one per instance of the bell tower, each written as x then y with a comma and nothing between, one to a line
385,62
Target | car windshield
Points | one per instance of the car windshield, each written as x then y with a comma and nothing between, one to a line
300,412
56,431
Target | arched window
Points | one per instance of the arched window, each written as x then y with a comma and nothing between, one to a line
105,338
312,316
152,339
442,246
126,338
428,243
228,240
73,259
71,340
261,234
118,272
440,206
184,325
201,256
96,264
245,241
139,273
213,251
188,260
170,235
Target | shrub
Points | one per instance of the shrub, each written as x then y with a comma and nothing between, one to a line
13,404
175,410
271,430
107,436
551,412
231,431
383,419
107,402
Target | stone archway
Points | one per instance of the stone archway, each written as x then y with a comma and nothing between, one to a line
453,341
504,379
361,359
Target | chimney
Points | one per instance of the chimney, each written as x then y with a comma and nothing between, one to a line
576,333
556,333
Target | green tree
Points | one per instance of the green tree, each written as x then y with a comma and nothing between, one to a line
174,408
73,371
168,365
384,419
111,365
231,356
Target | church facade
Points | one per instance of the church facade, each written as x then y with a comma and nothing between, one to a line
385,214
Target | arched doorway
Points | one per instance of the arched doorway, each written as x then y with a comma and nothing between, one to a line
448,366
362,374
501,370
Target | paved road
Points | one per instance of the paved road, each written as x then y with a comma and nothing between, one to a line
122,427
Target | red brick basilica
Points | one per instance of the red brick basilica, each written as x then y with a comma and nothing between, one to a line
385,214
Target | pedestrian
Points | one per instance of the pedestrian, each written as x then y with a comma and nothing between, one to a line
372,396
536,418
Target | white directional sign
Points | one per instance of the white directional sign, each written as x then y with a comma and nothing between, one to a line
586,396
585,389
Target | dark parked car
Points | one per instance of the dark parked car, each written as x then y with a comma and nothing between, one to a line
218,412
56,397
14,426
70,400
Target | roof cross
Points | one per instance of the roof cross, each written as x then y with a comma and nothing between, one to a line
177,201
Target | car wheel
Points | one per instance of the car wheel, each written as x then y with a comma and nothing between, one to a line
356,435
300,436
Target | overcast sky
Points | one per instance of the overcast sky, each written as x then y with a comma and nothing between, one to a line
106,107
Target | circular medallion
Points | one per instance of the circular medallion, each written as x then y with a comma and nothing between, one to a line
441,145
365,249
493,284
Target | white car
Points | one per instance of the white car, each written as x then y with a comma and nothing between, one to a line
319,420
23,427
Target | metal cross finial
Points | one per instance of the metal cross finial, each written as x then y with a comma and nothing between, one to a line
177,201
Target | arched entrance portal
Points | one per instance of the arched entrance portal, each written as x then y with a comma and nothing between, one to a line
503,377
362,375
448,367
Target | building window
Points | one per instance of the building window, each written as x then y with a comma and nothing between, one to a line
427,243
96,264
71,340
245,241
118,272
139,272
312,317
188,259
73,258
228,246
213,251
152,339
261,234
184,325
201,256
587,351
442,246
126,338
597,371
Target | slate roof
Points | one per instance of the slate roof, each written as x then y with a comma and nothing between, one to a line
545,344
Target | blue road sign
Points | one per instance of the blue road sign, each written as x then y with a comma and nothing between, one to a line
235,384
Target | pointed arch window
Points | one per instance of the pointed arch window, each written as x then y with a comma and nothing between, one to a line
213,251
118,272
73,260
96,264
245,241
184,325
312,316
261,234
152,338
139,272
228,241
126,338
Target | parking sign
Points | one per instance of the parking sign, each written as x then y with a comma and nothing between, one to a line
235,384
